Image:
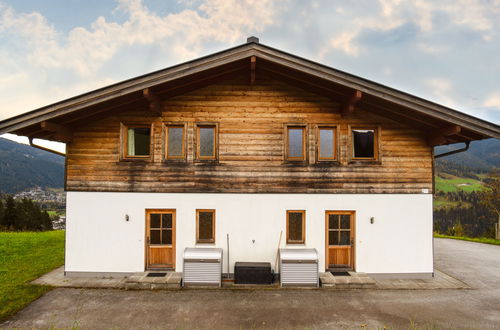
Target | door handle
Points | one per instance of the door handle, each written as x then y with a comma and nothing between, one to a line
352,241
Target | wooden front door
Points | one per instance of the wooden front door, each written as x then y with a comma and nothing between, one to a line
160,239
340,240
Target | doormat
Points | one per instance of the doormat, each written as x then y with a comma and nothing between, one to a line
156,275
340,273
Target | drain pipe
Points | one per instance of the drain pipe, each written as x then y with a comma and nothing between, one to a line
467,144
228,276
45,149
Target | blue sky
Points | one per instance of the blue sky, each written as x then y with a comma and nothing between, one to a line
447,51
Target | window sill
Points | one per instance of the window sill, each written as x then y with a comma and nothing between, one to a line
364,162
138,159
206,161
326,163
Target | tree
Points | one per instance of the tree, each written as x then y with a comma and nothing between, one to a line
491,197
10,215
2,211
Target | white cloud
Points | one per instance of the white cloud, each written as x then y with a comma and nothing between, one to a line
493,100
85,50
442,89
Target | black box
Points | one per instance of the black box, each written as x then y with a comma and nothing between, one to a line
253,273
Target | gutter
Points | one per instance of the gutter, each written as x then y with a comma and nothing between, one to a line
45,149
467,144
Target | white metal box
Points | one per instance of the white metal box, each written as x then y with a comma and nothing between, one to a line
299,267
202,266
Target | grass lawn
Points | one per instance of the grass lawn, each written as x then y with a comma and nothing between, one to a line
453,183
471,239
52,213
25,256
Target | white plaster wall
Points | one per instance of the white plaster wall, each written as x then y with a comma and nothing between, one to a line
98,239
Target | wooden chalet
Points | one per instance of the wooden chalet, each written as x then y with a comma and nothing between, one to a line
249,143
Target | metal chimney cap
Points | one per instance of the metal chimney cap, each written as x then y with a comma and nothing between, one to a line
252,39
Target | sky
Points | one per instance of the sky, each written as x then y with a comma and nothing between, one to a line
446,51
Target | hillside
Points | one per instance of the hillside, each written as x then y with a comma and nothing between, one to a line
482,156
23,167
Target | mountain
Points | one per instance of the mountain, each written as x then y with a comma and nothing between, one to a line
482,156
23,167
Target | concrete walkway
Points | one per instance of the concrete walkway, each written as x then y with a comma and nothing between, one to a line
476,264
172,280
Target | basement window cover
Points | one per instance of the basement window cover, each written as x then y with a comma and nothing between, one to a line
363,141
138,141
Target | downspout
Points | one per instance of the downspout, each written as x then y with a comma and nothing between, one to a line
467,144
45,149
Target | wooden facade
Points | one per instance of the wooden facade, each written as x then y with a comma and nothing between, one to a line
251,120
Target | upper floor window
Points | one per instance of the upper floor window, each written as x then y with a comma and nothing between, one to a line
205,226
136,141
206,142
175,142
295,143
327,149
364,143
295,227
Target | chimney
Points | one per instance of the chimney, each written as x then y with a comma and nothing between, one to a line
252,39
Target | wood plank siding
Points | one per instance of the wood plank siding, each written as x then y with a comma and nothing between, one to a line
251,121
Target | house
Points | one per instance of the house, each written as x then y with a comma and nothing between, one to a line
249,148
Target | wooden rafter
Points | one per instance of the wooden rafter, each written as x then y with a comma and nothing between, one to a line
154,101
253,66
350,103
441,136
60,132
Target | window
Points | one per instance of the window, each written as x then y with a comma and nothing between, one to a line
160,228
205,226
175,142
295,143
364,143
295,227
136,141
327,149
206,146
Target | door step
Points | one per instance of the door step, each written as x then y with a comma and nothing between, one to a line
353,281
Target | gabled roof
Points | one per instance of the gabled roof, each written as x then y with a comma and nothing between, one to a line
444,125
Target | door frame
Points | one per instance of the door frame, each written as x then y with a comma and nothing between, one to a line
352,213
174,231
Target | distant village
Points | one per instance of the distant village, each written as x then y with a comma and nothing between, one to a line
52,200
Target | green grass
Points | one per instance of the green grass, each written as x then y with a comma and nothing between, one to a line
52,213
24,257
471,239
441,202
452,183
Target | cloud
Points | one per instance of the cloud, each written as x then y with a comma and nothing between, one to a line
85,50
442,89
45,65
493,100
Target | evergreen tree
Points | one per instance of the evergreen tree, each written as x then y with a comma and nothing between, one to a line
2,211
10,214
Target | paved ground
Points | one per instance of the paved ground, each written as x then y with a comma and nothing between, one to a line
476,264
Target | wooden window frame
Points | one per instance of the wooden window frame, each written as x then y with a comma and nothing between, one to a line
216,142
124,127
335,143
166,127
303,239
303,127
204,241
376,144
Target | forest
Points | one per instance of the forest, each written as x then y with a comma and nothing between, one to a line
22,215
471,214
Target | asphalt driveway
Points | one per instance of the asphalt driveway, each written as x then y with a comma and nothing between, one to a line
476,264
